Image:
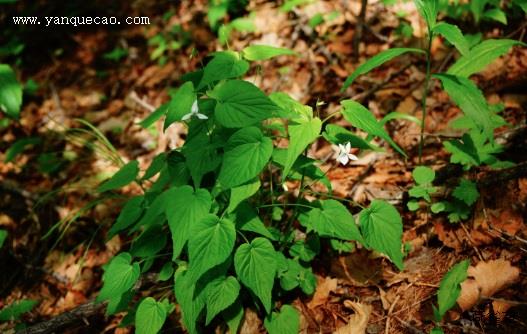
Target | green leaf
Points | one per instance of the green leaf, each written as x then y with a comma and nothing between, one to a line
19,146
423,175
339,135
246,219
495,14
3,237
241,193
306,250
452,34
470,99
211,242
466,191
428,11
154,116
16,309
522,4
333,220
10,92
124,176
290,278
264,52
149,243
119,277
437,330
240,104
300,136
362,118
450,287
480,56
184,210
377,61
166,272
413,205
463,151
201,156
180,104
191,306
285,322
150,316
233,316
156,165
224,65
291,108
399,115
221,293
255,264
246,154
382,228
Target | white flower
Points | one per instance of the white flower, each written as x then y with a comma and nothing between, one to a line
344,155
194,111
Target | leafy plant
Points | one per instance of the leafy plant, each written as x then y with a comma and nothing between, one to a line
10,92
17,309
239,238
449,291
459,206
423,177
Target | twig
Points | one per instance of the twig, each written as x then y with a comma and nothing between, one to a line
359,28
133,95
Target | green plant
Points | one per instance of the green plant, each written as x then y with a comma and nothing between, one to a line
238,237
459,205
449,291
164,43
423,177
17,309
10,92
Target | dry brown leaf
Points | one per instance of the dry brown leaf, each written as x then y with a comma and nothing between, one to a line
324,288
485,279
251,323
357,322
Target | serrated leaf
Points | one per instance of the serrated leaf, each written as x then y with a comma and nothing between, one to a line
452,34
10,92
16,309
224,65
255,264
382,228
119,277
287,321
377,61
470,99
240,104
463,151
480,56
362,118
185,207
450,287
300,136
241,193
423,175
180,104
210,243
221,293
466,191
124,176
333,220
246,154
428,11
150,316
201,156
263,52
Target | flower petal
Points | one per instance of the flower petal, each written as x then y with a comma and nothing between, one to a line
186,117
343,159
202,116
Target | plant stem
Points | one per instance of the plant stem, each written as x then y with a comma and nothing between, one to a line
425,93
285,204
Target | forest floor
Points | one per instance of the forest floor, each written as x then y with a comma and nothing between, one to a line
57,223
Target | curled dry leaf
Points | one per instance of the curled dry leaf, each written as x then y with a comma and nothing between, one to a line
357,322
485,279
324,288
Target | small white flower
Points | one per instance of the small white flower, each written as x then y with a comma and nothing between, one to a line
194,111
344,155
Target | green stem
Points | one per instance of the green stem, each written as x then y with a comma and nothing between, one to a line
285,204
352,202
425,93
328,117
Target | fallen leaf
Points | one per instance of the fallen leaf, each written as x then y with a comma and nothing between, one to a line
324,288
485,279
251,323
357,322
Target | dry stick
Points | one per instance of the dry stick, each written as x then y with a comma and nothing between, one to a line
80,313
359,28
472,243
387,327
